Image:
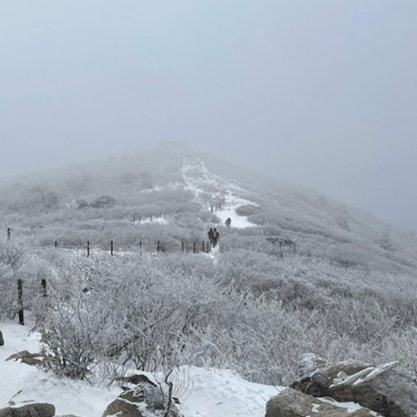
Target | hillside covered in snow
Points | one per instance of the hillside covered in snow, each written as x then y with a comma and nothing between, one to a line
118,275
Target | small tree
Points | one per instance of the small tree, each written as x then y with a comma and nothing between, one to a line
104,201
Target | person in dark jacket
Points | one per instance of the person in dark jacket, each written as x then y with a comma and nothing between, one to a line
216,236
210,236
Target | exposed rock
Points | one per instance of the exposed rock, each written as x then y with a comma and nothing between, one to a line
29,410
135,379
309,363
145,399
293,403
1,339
26,357
379,388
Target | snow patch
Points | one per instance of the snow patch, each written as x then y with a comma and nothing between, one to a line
202,392
350,407
362,376
228,194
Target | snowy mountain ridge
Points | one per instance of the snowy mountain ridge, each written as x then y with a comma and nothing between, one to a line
346,288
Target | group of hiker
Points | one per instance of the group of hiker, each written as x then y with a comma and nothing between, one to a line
213,234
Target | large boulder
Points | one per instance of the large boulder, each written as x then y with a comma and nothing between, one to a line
29,410
381,388
1,339
141,398
293,403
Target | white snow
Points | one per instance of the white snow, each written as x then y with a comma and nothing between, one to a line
376,371
363,375
153,219
201,182
202,392
231,203
22,384
349,406
222,393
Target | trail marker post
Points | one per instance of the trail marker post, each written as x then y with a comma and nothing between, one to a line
20,301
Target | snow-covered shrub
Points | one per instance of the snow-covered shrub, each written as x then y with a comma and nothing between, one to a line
252,312
103,201
8,291
135,314
71,335
11,261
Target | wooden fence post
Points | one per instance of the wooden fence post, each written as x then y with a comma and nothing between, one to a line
194,247
203,249
20,301
56,243
140,248
43,283
111,248
88,248
182,246
158,247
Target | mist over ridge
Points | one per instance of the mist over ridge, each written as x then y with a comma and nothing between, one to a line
279,220
150,183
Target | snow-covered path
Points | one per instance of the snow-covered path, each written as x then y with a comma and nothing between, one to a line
200,181
228,210
221,393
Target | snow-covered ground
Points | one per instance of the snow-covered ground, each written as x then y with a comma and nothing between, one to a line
200,181
228,210
153,219
202,392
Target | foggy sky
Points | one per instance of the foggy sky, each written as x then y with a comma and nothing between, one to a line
319,93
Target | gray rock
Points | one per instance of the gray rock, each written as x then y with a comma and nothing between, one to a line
145,399
29,410
293,403
381,388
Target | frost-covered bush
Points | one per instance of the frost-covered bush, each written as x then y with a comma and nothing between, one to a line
250,311
8,291
103,201
11,261
71,336
137,314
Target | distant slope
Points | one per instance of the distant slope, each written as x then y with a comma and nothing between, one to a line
102,199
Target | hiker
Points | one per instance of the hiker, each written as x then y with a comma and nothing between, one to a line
228,222
216,235
210,236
